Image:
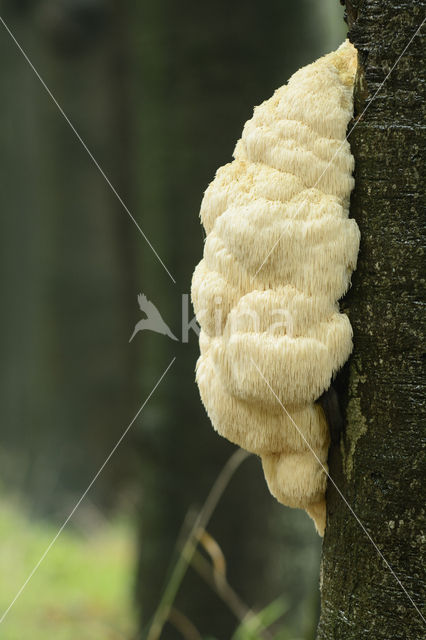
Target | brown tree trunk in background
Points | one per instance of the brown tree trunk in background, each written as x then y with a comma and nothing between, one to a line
377,464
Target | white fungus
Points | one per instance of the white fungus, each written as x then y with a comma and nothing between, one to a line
279,253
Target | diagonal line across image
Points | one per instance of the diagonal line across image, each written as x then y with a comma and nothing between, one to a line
338,490
347,136
86,148
95,477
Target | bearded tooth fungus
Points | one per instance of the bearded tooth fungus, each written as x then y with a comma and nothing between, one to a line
279,253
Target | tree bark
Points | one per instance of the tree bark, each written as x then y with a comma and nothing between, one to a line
378,462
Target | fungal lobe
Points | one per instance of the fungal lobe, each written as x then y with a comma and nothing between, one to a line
279,253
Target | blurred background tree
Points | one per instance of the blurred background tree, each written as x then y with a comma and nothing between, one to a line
159,91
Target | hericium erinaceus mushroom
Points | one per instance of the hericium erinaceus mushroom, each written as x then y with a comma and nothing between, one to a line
279,253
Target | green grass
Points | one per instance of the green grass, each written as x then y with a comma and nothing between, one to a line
82,589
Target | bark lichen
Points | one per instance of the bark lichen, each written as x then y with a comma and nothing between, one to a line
356,421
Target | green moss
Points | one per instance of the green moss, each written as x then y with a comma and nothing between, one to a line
355,421
82,589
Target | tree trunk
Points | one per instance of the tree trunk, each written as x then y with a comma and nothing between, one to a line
377,463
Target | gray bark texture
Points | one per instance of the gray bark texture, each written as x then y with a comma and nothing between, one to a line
377,462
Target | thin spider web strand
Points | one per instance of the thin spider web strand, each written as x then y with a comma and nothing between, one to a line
85,147
85,493
341,494
347,136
